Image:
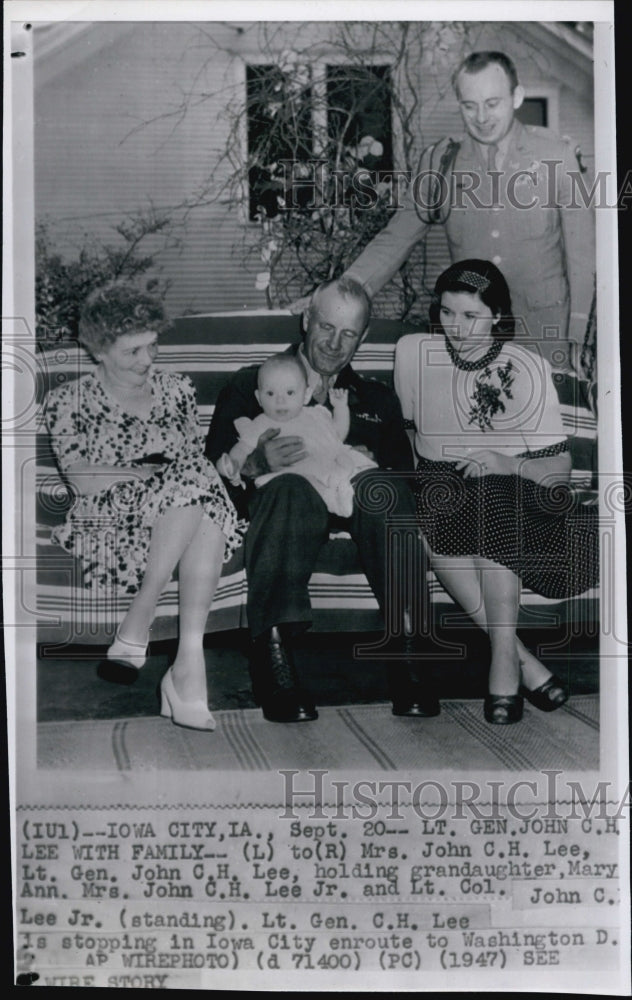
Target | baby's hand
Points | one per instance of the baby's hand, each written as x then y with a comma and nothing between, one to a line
339,397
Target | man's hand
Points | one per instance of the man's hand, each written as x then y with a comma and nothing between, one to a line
273,453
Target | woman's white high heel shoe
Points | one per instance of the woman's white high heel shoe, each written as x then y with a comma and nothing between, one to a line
123,661
190,714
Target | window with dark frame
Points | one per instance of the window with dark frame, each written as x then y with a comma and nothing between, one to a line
359,109
281,108
279,116
534,111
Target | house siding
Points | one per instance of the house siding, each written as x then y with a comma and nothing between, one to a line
110,138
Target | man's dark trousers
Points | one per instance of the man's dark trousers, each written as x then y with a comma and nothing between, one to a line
289,524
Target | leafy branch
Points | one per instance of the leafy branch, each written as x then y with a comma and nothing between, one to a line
62,284
310,144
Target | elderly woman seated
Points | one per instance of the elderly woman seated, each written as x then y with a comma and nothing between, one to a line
127,440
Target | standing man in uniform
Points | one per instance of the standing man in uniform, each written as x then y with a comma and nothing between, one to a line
505,193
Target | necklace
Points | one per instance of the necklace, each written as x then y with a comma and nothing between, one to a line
473,366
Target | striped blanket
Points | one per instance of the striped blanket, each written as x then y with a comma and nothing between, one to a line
209,349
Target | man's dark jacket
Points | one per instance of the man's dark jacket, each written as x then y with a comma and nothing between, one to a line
376,419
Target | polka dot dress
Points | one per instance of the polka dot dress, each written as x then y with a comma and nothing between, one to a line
110,531
545,536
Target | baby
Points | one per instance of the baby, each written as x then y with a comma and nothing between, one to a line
329,465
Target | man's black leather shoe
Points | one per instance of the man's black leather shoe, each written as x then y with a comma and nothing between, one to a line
412,697
288,706
275,683
418,705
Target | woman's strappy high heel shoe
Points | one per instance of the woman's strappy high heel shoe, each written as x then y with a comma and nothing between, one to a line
123,661
190,714
549,696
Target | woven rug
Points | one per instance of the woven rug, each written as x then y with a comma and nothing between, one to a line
362,737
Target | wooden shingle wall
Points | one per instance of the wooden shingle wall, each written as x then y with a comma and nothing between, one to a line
110,136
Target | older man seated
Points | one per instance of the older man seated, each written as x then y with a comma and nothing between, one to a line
290,522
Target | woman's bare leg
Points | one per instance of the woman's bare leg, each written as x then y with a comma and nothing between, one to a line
501,596
461,578
534,673
199,572
170,537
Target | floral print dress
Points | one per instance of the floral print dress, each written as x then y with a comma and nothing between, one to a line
110,531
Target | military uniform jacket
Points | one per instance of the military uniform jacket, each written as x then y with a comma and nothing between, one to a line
520,216
376,419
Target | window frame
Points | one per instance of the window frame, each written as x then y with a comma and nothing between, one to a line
550,94
318,111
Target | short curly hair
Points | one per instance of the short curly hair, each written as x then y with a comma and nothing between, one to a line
115,309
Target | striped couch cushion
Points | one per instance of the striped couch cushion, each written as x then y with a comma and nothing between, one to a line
209,349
